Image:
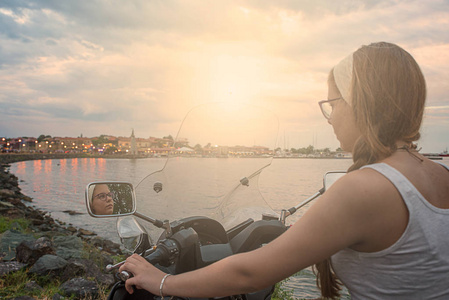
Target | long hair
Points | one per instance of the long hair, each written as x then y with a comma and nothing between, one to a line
388,94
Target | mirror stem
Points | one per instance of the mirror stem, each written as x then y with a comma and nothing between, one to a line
167,228
319,193
291,211
156,222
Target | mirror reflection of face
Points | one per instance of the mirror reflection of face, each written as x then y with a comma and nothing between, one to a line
102,200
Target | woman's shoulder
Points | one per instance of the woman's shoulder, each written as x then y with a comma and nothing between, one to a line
365,180
372,204
365,191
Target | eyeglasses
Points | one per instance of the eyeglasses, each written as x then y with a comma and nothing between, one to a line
326,107
103,196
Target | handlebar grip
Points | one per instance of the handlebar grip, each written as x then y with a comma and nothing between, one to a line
157,256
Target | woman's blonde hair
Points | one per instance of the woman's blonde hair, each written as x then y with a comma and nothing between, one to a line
388,94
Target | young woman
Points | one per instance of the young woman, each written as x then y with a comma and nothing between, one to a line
382,227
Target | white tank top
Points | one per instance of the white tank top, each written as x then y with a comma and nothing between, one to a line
416,266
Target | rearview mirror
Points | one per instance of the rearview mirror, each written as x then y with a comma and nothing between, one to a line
110,199
331,177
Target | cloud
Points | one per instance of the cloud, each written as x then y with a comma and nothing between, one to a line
113,65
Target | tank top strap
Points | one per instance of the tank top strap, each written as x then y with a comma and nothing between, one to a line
409,193
402,184
440,163
391,174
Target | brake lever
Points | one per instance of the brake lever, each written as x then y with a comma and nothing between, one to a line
119,264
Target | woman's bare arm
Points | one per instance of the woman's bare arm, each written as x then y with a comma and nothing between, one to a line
341,218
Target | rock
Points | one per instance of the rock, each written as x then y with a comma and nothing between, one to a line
107,259
88,268
26,198
14,213
106,280
68,253
9,241
34,214
16,202
86,232
7,193
72,212
32,286
10,266
71,229
70,241
79,287
74,268
57,297
16,190
29,252
22,298
6,204
49,264
106,245
37,222
44,227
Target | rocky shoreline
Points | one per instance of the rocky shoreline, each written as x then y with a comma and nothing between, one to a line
48,249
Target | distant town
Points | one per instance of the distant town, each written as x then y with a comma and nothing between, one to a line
103,144
150,147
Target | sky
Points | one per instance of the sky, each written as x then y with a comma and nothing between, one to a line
106,66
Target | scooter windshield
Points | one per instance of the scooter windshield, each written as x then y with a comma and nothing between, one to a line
213,166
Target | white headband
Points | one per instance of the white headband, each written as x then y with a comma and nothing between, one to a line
91,193
343,77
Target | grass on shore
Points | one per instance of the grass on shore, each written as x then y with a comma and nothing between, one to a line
7,223
281,292
13,284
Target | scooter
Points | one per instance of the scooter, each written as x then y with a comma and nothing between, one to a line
215,186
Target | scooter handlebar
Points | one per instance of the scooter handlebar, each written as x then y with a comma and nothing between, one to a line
157,256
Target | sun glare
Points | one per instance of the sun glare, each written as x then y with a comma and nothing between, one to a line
234,78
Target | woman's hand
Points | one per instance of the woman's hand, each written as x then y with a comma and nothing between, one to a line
145,275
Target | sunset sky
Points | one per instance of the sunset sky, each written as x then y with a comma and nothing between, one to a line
104,67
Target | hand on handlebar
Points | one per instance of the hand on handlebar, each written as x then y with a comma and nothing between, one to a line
146,276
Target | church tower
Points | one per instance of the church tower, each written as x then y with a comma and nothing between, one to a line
133,144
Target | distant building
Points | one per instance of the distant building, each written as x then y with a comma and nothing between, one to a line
133,150
147,146
69,144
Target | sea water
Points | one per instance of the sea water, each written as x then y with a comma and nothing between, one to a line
58,186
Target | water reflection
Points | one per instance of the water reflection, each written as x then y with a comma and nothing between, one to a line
47,165
37,167
74,164
63,165
20,168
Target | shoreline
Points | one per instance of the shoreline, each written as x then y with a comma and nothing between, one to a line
45,248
